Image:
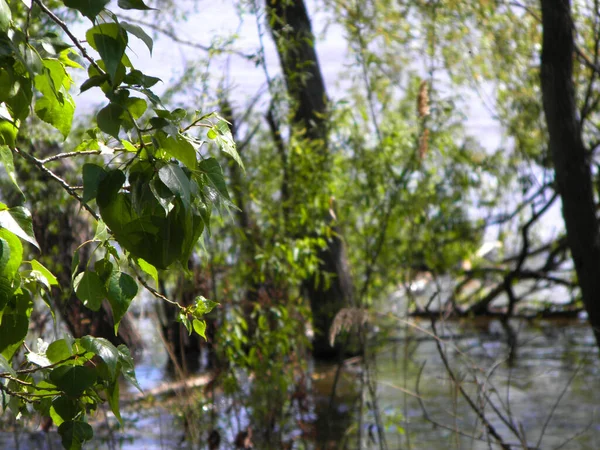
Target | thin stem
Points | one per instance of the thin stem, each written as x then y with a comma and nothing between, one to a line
70,190
73,38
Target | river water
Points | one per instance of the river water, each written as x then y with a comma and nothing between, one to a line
547,386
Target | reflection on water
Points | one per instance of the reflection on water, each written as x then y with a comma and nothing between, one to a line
551,359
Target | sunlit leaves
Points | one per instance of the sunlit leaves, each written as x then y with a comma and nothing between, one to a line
8,133
110,41
89,288
12,254
222,136
58,350
148,269
178,147
204,306
56,106
17,220
5,16
200,327
43,274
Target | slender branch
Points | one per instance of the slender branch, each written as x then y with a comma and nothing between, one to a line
69,155
155,292
484,420
73,38
70,190
171,35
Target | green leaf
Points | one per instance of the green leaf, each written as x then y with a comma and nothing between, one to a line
133,4
101,232
105,350
73,380
89,8
127,366
139,33
75,433
51,279
225,140
137,78
56,106
17,220
5,16
92,176
109,119
109,187
6,157
12,332
63,409
5,366
8,133
214,173
59,351
178,183
94,81
74,265
122,288
110,41
136,106
148,268
19,104
203,306
11,245
90,289
200,328
113,399
178,147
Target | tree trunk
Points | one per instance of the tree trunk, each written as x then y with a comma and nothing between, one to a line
571,161
186,348
291,29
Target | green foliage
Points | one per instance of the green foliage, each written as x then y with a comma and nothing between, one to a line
151,201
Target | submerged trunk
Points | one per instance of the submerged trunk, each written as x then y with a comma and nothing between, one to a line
185,349
291,29
571,158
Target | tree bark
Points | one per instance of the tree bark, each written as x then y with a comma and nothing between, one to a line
571,158
291,30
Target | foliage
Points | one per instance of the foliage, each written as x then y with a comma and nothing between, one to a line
152,198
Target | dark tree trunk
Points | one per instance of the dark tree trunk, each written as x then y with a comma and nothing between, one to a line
291,29
186,348
571,158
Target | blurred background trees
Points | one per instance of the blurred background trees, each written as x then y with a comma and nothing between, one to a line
397,158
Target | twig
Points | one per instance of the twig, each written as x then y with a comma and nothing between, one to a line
154,291
74,39
69,155
171,35
555,405
70,190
